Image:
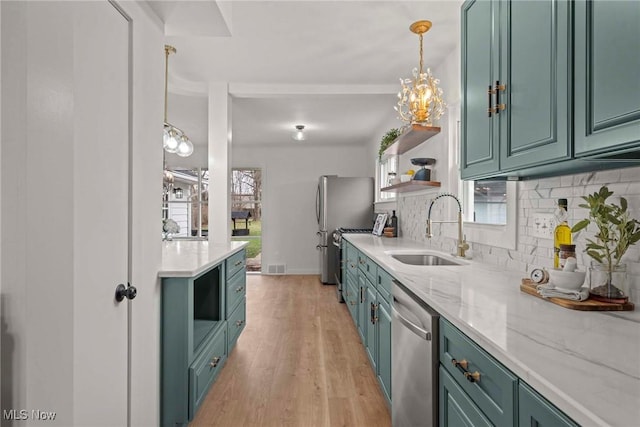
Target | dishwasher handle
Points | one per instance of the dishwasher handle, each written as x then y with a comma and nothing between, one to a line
425,335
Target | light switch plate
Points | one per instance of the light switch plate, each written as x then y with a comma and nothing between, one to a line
542,225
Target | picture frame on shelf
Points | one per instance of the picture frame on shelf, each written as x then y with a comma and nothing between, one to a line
379,225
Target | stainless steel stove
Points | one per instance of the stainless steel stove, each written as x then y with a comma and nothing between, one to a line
337,241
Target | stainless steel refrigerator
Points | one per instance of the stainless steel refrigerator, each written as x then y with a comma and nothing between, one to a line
340,202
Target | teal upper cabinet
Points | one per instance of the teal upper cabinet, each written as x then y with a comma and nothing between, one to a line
479,150
607,79
516,86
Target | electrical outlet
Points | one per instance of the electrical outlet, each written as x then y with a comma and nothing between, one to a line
542,225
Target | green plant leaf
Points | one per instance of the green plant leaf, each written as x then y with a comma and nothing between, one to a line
580,225
595,255
623,203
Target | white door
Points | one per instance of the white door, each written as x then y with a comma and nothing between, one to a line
65,223
101,213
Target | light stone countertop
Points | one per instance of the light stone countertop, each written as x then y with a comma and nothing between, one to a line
586,363
189,258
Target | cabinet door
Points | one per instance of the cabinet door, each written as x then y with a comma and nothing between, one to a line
351,298
607,86
363,313
371,325
456,409
384,347
534,410
535,127
479,139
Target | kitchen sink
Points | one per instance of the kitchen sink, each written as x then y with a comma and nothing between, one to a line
421,258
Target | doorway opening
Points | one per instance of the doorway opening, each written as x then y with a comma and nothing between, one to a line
246,213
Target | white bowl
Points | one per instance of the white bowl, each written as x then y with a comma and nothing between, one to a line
405,178
570,280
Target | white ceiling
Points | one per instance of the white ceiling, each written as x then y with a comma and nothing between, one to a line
332,66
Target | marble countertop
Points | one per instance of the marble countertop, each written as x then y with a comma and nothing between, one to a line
586,363
188,258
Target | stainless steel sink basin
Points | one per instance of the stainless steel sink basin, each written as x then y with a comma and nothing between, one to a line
423,259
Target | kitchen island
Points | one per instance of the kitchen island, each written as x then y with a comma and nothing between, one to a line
203,313
585,363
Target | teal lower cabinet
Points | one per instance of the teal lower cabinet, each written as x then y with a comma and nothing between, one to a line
371,325
351,297
456,408
535,411
383,339
368,300
201,319
475,389
363,315
205,369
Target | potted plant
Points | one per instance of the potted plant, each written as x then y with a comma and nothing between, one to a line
388,139
616,232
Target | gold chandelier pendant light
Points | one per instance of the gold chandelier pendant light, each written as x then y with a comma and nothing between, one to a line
174,140
420,99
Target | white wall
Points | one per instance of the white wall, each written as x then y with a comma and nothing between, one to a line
290,177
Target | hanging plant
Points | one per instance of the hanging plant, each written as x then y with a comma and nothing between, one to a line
388,139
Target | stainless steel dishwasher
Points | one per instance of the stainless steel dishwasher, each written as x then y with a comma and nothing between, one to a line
414,360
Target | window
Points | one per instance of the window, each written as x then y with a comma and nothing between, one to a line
492,217
186,200
386,171
488,200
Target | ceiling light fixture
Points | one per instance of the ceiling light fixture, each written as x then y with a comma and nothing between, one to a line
174,139
299,134
420,98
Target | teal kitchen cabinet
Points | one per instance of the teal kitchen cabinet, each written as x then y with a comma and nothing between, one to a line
236,297
475,389
607,83
455,408
371,328
535,410
383,339
491,387
351,298
201,319
516,85
363,315
367,296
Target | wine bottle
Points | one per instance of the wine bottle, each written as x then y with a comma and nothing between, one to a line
394,224
562,232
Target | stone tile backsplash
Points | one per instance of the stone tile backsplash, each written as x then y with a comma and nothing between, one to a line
534,196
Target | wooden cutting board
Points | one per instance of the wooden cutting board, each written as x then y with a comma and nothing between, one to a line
528,287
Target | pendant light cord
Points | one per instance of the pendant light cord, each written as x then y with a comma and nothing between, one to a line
420,60
167,50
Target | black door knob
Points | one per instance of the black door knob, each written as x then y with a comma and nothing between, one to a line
123,292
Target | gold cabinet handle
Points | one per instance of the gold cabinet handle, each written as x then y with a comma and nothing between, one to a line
462,363
473,377
238,263
497,88
239,289
352,302
239,323
214,362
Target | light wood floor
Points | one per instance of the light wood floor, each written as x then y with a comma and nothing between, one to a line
298,362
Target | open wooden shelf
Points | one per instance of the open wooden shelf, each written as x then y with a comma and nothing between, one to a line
415,136
412,185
